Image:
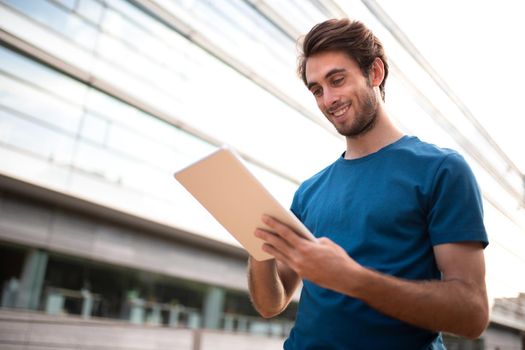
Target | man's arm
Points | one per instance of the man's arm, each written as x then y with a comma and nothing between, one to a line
457,304
272,285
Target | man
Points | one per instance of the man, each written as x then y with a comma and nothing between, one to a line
399,255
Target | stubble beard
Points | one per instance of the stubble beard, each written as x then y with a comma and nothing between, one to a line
364,120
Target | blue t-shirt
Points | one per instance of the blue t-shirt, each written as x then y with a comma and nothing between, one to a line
387,210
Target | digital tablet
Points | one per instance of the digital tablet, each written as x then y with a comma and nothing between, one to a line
236,199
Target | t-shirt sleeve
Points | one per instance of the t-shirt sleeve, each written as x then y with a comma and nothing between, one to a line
295,208
456,209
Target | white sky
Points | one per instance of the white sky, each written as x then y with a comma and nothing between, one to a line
478,48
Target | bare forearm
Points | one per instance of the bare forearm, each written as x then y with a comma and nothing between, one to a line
266,289
453,306
458,304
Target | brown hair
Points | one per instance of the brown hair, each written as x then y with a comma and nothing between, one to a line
344,35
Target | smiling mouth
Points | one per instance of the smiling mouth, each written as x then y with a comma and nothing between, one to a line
340,110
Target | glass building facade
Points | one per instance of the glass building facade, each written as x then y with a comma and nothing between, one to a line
102,100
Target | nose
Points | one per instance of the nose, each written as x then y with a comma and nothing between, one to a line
330,98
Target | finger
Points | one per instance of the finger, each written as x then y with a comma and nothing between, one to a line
273,239
283,230
277,254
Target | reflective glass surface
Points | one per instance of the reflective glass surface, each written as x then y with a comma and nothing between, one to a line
114,151
58,19
91,10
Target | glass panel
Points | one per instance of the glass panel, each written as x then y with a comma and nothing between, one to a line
131,143
36,74
121,27
94,128
34,138
143,148
56,18
160,45
39,105
91,10
249,37
127,59
70,4
107,106
33,32
121,115
97,161
132,295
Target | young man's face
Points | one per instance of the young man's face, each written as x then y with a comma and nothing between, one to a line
344,95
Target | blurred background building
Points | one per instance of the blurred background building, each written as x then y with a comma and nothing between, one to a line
102,100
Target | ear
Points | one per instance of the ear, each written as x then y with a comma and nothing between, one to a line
377,72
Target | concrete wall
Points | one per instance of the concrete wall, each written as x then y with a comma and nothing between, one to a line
502,338
45,226
37,331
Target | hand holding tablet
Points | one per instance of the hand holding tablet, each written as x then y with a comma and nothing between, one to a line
236,199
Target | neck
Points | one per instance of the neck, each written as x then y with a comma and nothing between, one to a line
382,134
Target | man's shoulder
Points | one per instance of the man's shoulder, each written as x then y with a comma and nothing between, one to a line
425,150
426,158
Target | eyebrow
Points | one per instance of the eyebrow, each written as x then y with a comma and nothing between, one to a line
327,75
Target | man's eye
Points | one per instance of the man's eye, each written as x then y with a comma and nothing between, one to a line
338,81
317,92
